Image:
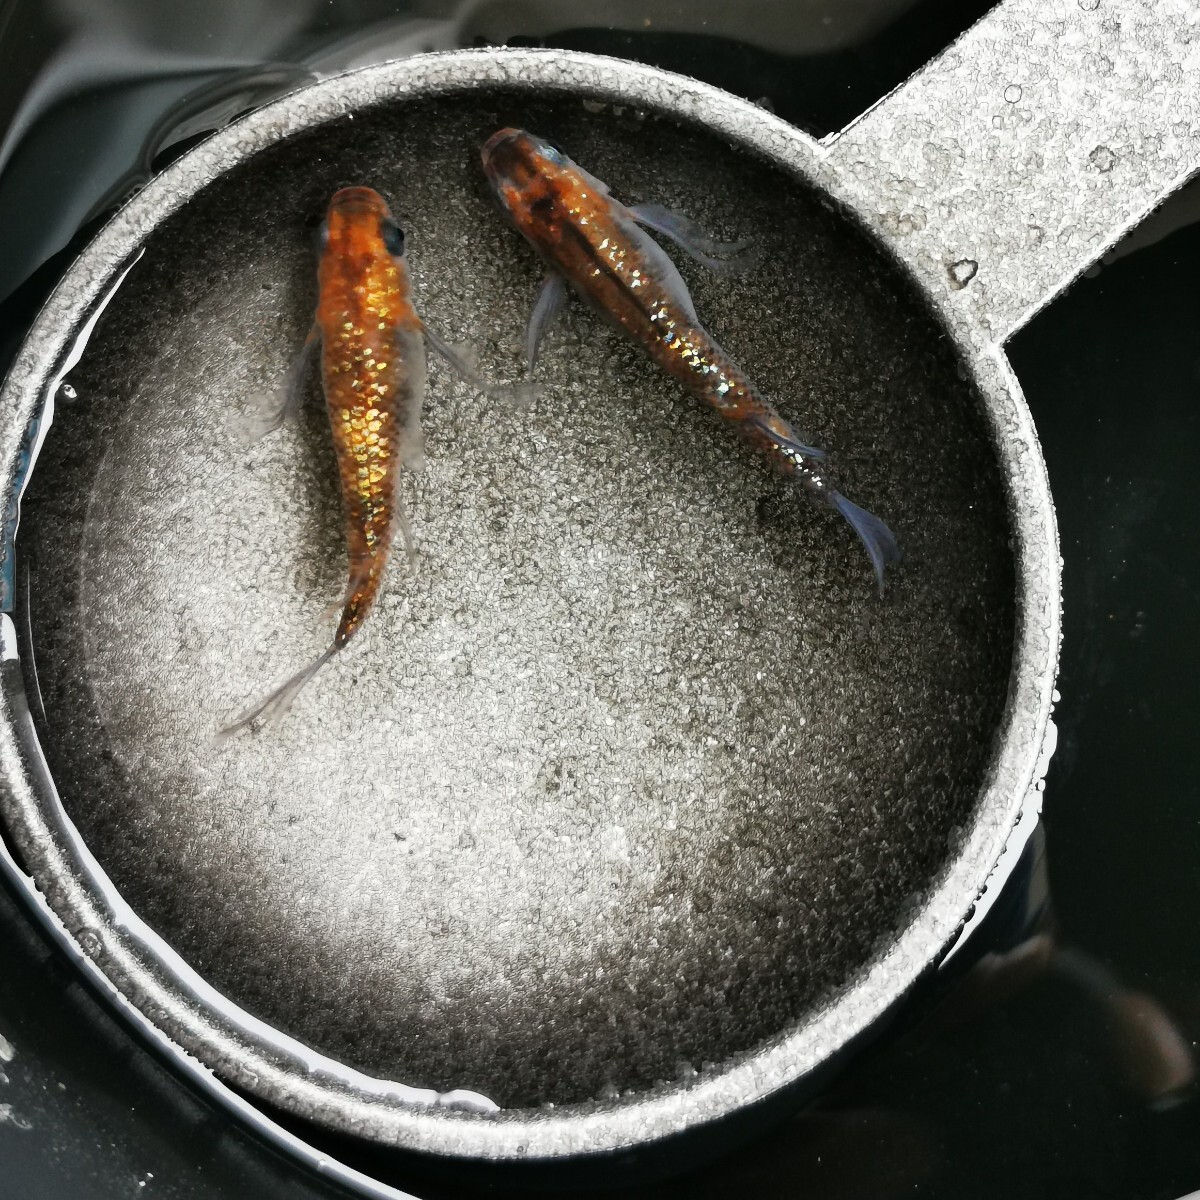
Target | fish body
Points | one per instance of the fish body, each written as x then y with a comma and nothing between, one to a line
373,372
599,246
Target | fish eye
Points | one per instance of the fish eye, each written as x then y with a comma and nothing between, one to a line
393,237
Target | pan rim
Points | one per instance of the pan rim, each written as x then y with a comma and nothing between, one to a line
380,1111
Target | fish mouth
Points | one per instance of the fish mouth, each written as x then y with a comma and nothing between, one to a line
498,139
357,198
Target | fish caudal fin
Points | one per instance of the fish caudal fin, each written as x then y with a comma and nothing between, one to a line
279,701
879,540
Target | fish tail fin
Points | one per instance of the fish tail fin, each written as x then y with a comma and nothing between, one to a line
880,542
279,701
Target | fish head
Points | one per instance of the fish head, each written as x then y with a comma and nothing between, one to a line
358,218
520,164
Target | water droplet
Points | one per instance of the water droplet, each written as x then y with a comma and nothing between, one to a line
1089,5
962,272
1013,93
997,122
1103,159
68,393
906,223
7,1115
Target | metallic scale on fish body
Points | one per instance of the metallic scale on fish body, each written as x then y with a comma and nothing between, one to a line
601,247
373,370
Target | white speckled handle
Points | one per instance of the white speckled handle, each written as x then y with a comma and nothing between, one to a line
1020,154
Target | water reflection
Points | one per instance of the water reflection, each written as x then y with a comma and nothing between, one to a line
917,1114
104,87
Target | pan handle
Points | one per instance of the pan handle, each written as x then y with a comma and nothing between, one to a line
1021,153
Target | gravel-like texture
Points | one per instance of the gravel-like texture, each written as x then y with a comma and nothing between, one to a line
638,766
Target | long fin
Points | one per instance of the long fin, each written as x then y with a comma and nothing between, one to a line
788,440
279,701
267,411
462,359
409,346
722,257
879,540
548,305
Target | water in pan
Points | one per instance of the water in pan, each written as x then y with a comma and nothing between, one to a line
636,766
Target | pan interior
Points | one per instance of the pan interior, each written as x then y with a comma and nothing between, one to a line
636,768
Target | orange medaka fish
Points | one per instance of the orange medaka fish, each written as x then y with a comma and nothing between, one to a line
373,369
599,246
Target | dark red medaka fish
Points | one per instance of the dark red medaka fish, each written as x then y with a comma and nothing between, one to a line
601,247
373,369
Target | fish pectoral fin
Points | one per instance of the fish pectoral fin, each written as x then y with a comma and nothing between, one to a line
724,257
267,411
412,448
546,308
404,525
460,356
464,361
332,609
